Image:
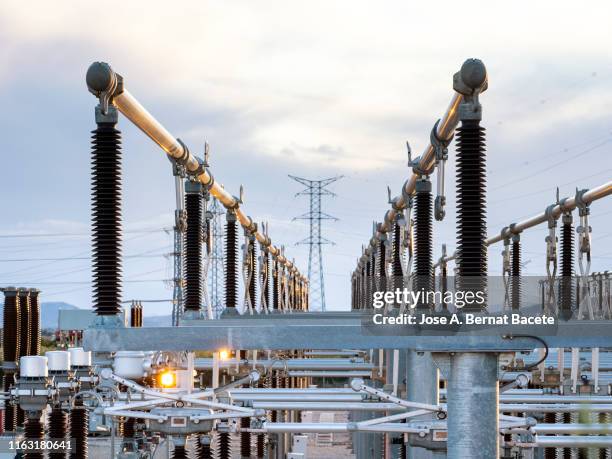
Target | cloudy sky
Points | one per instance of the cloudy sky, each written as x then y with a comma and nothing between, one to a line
314,89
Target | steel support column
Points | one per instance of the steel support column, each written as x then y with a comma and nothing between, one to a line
422,382
473,397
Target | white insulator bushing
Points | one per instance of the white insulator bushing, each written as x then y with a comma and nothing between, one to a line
129,364
58,360
79,357
33,366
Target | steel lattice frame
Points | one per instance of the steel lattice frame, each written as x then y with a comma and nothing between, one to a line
315,189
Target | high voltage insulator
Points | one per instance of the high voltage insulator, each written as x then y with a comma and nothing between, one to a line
10,351
245,439
471,184
106,213
264,272
121,426
549,418
35,432
372,276
516,272
250,273
12,326
261,446
275,286
193,246
296,294
203,448
129,428
179,452
79,429
25,328
34,321
273,384
231,262
292,301
424,247
135,315
261,438
382,263
396,264
296,290
10,410
282,299
368,281
566,287
396,257
224,446
471,213
353,291
359,288
58,429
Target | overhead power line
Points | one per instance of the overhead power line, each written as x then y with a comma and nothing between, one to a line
35,235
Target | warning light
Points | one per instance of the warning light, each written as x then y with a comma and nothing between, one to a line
167,379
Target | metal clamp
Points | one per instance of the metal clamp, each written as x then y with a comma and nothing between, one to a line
237,201
230,215
251,229
505,233
583,207
178,170
183,159
199,171
415,164
440,147
394,201
552,221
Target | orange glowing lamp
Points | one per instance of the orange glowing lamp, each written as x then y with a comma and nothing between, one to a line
224,354
167,379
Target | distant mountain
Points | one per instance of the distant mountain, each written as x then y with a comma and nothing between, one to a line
48,313
157,321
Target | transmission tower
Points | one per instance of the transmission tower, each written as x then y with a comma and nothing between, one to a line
180,224
315,189
216,258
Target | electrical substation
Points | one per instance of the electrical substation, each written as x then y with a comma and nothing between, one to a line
250,368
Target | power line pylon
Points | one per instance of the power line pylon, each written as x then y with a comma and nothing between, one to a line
216,259
315,189
180,225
